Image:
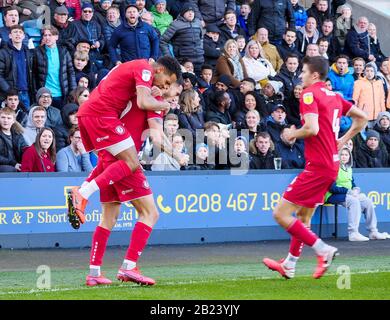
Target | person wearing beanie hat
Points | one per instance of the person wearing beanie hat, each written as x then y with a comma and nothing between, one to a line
382,125
185,36
212,44
44,99
201,156
162,18
372,154
276,85
369,93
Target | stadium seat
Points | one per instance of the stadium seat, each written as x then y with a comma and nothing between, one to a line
335,218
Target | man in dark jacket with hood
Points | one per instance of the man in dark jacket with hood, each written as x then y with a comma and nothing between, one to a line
382,126
212,44
320,11
276,122
16,65
212,11
272,15
69,119
135,39
219,110
185,35
370,154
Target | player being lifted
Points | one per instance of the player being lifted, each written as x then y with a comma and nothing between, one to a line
320,110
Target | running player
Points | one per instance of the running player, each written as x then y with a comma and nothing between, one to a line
102,129
135,189
320,110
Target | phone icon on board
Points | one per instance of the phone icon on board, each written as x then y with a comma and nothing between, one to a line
164,209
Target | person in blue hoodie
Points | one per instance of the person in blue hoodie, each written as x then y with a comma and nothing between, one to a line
341,77
300,14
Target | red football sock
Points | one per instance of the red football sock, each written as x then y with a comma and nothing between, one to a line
296,246
139,238
113,173
298,230
99,243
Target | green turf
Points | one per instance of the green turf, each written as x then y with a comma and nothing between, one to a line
370,279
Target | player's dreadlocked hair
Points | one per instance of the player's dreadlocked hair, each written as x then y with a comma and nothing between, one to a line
171,65
317,64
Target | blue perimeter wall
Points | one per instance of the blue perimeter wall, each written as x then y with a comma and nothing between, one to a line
195,207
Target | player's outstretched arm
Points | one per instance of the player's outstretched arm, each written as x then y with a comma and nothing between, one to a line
309,129
146,101
359,122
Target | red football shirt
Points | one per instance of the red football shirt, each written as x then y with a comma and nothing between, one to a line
113,93
321,150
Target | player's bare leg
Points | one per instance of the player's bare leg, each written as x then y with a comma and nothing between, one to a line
148,216
126,165
296,228
110,213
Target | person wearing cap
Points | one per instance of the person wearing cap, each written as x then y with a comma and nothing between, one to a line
382,126
162,18
212,11
369,94
53,115
185,36
62,22
231,64
276,122
88,28
212,44
370,154
73,6
290,151
135,39
343,24
258,68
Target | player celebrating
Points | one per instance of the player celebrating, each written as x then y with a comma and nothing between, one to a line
320,110
134,189
102,129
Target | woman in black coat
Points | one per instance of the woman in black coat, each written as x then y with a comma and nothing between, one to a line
191,115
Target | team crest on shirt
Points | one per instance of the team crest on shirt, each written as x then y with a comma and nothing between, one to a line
120,130
146,185
308,98
146,75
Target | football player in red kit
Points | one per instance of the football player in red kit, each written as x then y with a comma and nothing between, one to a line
134,189
321,111
102,129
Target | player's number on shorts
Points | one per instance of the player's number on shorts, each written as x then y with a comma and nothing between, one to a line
336,123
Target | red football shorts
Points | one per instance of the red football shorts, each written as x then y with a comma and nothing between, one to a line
308,189
98,133
130,188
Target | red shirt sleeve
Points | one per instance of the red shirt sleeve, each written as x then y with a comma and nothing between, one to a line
308,103
28,160
143,76
346,106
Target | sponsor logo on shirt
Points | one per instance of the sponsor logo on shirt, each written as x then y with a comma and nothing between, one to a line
308,98
102,138
127,191
146,75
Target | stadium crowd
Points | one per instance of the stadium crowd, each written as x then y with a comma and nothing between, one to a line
241,62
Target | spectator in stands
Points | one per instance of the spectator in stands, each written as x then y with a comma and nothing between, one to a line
41,155
382,126
171,125
230,29
358,68
258,68
289,74
312,50
241,44
276,122
323,46
191,115
308,35
290,151
253,123
12,142
53,68
201,158
369,94
341,77
12,101
384,75
83,70
212,11
357,43
262,152
370,154
44,99
345,192
36,120
62,23
162,18
69,121
300,14
245,10
11,18
100,11
343,24
185,35
239,158
219,111
271,97
238,102
289,45
165,162
251,102
375,47
217,143
16,67
206,74
73,6
231,64
276,19
292,106
74,158
327,32
141,6
135,39
270,52
79,95
212,44
89,29
320,11
113,21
